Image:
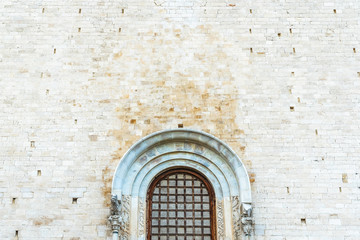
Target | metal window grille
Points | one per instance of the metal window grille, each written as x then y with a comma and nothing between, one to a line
180,207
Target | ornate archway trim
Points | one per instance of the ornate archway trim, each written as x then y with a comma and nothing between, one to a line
210,164
188,135
188,148
145,182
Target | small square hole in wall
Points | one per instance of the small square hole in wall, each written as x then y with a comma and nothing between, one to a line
122,11
292,108
354,50
250,10
32,144
75,121
250,30
294,51
334,10
339,189
13,201
180,125
79,10
119,29
17,233
251,50
79,29
292,73
54,50
290,30
288,189
316,132
74,201
39,173
279,34
303,220
298,100
43,10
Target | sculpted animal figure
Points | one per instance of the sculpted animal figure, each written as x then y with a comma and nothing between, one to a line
115,205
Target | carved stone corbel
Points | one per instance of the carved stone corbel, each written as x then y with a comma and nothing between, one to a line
119,217
115,218
246,218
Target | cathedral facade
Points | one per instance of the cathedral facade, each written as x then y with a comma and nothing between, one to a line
174,119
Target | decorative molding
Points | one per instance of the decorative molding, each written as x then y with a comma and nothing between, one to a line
246,218
236,206
139,156
220,220
141,226
125,215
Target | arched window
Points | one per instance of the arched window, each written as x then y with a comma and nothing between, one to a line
181,206
165,161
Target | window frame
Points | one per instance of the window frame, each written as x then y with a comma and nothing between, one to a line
190,171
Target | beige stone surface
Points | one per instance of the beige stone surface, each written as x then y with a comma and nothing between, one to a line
81,81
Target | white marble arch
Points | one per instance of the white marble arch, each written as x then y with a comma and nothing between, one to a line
193,149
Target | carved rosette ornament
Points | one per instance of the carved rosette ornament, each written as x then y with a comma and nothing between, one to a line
246,218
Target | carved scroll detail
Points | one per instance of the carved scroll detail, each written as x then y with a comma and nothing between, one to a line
236,205
220,220
125,215
141,217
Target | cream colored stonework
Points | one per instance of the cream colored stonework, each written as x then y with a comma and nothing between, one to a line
82,81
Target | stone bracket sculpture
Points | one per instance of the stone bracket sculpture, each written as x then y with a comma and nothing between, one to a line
115,218
246,218
119,217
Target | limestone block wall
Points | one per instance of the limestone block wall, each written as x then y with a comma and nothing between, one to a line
81,81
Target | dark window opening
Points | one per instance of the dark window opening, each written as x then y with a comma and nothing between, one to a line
181,206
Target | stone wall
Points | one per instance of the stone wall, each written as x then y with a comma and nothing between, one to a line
81,81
